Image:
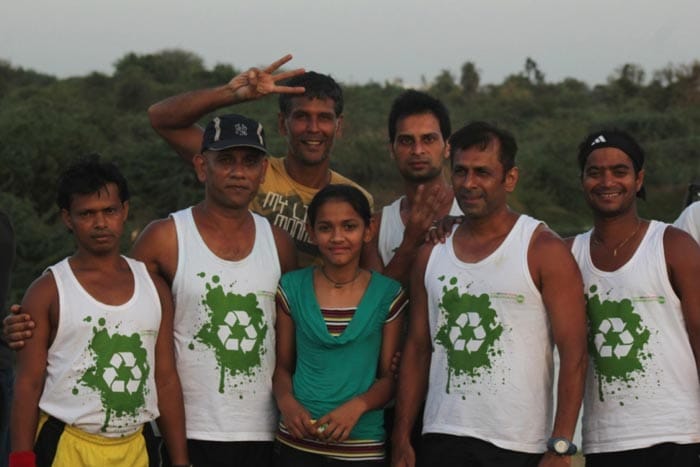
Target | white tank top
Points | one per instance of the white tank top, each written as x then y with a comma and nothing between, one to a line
391,228
225,335
642,384
101,364
491,366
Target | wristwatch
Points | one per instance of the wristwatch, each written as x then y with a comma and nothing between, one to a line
561,447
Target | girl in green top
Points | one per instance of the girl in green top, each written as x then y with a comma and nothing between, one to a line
338,327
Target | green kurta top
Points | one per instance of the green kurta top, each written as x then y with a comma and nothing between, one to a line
330,370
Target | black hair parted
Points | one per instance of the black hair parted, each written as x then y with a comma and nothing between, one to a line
317,86
88,175
339,192
414,102
482,134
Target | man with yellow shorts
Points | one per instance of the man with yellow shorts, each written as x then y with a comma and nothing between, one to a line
101,361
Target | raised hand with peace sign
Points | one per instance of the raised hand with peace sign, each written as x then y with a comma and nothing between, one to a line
255,83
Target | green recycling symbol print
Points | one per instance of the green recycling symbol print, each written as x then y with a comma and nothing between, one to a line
616,340
235,330
469,333
119,373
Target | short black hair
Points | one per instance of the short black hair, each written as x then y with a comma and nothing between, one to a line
480,135
339,192
414,102
317,86
86,176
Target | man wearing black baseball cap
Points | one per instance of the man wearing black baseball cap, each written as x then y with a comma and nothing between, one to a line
642,394
223,263
310,118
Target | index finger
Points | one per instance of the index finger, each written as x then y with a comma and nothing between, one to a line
277,63
288,74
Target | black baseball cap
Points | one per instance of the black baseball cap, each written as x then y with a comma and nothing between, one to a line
231,131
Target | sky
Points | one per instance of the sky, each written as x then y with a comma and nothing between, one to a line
357,41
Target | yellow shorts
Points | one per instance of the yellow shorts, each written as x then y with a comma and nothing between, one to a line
61,445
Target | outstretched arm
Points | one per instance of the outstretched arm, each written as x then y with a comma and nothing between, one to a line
558,278
175,118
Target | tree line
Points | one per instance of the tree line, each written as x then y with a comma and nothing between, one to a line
46,122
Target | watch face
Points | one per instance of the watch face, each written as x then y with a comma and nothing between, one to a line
561,446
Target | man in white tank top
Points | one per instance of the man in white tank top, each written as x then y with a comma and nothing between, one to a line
226,376
486,309
642,399
419,126
223,263
100,366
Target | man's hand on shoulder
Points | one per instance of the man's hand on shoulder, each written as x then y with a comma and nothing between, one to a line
16,327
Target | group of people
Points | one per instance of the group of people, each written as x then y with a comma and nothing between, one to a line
275,321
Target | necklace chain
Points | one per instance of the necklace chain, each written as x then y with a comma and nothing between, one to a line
598,241
337,284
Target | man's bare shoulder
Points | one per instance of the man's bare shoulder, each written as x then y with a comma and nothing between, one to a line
40,293
156,244
679,245
157,231
544,239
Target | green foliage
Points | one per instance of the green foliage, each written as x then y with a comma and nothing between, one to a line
45,123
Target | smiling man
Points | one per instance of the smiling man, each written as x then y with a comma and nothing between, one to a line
640,277
310,118
486,309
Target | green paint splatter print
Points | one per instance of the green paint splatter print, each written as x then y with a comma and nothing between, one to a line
469,334
120,374
235,330
616,340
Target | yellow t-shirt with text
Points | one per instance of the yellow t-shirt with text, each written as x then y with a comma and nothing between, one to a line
284,202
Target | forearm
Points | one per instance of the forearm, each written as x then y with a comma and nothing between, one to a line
184,110
172,419
378,395
413,383
282,387
24,416
399,268
570,387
